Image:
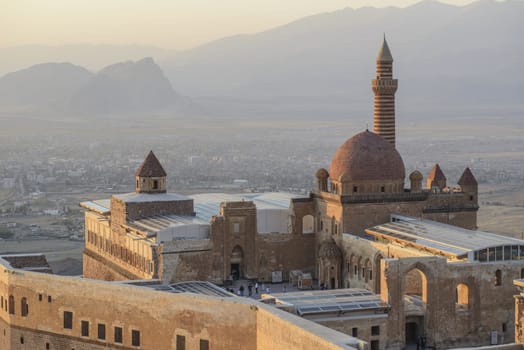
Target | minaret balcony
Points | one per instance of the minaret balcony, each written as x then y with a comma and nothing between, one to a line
384,86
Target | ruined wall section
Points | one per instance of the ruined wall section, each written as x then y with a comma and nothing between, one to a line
300,207
446,322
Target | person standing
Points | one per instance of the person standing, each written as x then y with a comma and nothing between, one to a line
256,287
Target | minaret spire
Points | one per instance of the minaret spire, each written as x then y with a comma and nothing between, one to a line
384,88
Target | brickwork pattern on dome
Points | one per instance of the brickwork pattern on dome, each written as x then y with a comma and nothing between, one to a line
367,156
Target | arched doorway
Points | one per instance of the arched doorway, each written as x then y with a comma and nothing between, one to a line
236,263
415,299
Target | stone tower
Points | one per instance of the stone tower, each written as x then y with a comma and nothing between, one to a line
384,88
150,176
436,179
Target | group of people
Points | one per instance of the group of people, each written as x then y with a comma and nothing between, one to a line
252,289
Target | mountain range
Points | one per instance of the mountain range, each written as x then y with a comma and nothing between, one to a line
447,58
122,87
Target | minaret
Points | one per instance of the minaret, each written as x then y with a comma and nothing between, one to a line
384,88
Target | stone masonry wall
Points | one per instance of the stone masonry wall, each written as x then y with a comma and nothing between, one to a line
489,306
159,317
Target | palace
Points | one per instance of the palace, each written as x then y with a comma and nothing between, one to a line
399,260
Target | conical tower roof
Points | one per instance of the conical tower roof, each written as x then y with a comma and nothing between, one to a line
384,54
150,167
436,174
467,178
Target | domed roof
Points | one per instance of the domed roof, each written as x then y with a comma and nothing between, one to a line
367,156
416,176
322,173
329,250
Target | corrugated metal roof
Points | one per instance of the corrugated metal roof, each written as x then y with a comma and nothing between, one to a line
434,235
333,300
161,222
100,206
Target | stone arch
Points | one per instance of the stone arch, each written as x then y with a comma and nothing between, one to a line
364,270
350,265
330,265
236,262
378,273
308,224
369,271
358,266
416,282
354,266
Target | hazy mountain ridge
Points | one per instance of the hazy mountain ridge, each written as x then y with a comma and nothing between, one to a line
446,58
444,55
92,57
121,87
126,87
42,85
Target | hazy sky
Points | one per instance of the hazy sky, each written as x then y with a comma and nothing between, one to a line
172,24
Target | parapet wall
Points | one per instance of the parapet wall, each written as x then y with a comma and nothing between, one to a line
56,307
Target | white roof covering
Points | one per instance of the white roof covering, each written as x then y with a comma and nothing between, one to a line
208,204
332,300
101,206
134,197
167,227
436,236
272,211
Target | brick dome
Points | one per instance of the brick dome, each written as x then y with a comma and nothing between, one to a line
367,156
329,250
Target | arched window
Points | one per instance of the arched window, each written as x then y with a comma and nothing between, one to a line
11,305
308,224
369,268
498,278
462,296
24,307
416,284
